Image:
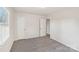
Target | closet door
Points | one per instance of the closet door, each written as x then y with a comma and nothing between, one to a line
42,26
20,27
31,26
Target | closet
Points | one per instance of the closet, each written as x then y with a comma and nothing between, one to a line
30,26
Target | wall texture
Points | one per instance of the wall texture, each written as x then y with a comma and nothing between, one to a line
8,43
64,27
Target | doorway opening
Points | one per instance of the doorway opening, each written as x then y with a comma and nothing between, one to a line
48,27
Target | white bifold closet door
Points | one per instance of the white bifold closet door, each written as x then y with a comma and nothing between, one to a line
32,26
20,27
42,26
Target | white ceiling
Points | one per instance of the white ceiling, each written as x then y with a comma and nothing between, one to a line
40,10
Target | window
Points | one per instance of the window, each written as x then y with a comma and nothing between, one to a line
3,16
4,25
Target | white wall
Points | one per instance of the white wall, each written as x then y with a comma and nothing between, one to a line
8,43
28,26
65,27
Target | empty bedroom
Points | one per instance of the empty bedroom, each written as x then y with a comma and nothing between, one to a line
39,29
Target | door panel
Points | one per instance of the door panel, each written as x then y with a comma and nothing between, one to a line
20,27
32,26
42,27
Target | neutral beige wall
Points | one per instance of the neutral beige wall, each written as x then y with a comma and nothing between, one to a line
65,27
8,43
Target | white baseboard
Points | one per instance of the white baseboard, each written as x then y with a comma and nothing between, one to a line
66,44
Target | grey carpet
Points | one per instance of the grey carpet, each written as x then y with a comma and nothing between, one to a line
42,44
